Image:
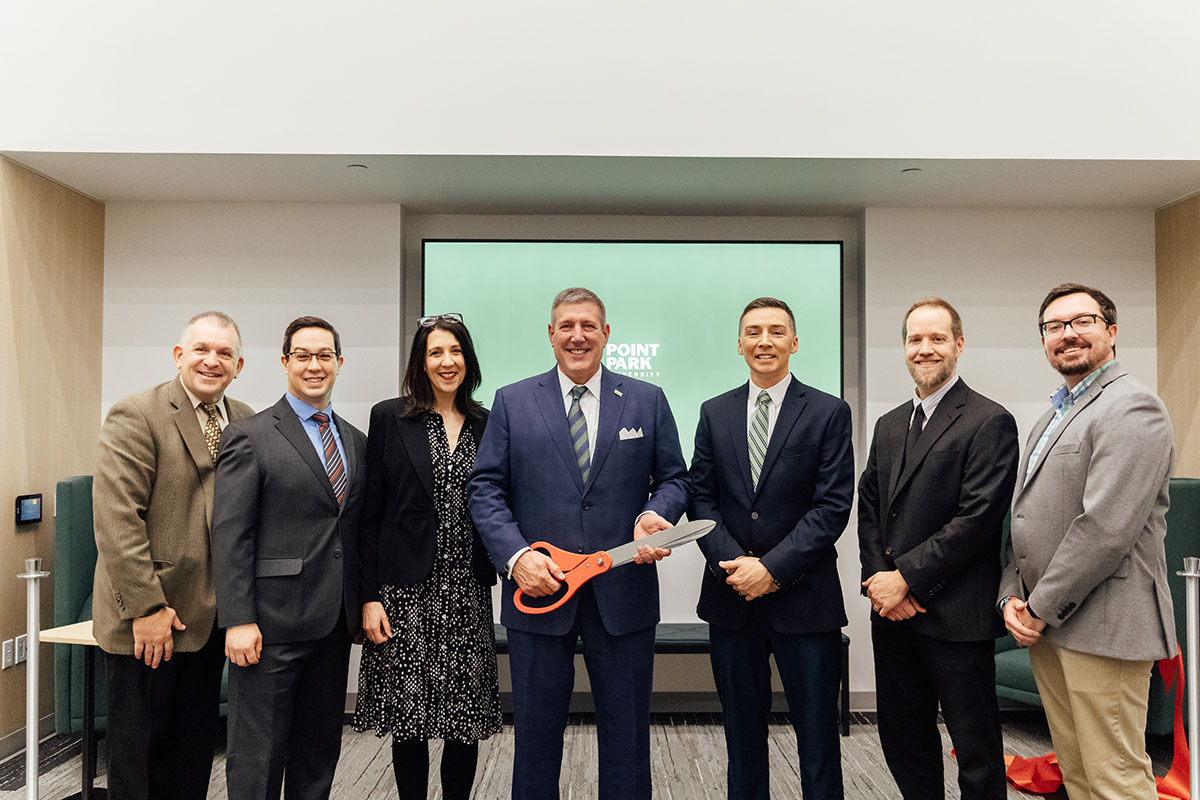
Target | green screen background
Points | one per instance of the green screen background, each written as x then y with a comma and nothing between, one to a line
684,297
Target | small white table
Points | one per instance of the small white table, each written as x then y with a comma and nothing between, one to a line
80,633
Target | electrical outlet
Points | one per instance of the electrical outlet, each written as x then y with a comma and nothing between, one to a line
9,654
22,643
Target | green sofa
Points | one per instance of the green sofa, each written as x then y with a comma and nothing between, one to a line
1014,676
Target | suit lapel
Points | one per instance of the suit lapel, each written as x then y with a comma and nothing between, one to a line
612,410
794,403
947,413
554,415
1081,403
735,427
895,429
293,430
416,443
188,424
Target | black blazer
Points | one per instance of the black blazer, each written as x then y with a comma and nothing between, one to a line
938,520
285,554
792,522
398,535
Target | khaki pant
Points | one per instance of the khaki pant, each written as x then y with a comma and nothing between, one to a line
1096,708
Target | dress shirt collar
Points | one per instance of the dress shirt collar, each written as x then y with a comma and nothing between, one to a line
930,403
565,384
304,411
1063,398
197,402
776,392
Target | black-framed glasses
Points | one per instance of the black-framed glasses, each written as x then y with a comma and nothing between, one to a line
303,356
1084,323
429,322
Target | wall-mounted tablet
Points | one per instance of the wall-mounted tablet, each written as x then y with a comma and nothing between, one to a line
29,509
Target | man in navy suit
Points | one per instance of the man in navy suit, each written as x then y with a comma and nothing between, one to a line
774,467
586,460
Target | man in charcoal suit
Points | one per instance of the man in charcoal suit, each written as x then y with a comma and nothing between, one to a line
289,489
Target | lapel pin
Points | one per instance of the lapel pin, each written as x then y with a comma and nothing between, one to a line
617,392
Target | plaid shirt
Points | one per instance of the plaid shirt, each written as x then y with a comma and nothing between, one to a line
1062,400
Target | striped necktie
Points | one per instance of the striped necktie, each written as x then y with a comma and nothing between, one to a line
579,433
333,459
212,430
758,436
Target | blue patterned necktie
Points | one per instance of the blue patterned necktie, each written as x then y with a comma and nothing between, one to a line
579,433
333,459
758,436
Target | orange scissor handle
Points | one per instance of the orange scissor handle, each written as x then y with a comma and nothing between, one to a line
578,569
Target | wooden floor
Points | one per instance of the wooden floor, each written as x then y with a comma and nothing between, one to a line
688,754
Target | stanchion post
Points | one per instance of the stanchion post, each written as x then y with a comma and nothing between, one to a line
1191,572
32,576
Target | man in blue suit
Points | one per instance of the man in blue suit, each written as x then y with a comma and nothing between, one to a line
586,460
774,467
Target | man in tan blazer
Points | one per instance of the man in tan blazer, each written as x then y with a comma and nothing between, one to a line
1086,586
154,603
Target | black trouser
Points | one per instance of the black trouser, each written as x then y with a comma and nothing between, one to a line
913,674
162,723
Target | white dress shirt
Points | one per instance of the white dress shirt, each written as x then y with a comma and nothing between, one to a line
776,393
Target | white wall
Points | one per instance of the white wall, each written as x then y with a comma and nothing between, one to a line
925,78
265,265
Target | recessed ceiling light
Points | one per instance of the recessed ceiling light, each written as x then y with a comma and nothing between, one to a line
356,166
910,169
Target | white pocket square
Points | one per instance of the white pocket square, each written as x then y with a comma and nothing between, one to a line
630,433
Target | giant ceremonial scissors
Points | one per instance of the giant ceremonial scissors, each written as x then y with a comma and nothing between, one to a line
578,569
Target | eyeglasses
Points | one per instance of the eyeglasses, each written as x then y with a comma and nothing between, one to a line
429,322
303,356
1084,323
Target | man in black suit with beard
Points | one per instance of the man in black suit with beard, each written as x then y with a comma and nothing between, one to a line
931,504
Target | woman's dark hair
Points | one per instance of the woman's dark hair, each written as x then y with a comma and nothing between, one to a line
418,391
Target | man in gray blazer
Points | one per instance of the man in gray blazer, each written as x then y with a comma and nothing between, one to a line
154,609
289,489
1086,586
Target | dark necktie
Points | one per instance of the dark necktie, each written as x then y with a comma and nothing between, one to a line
914,433
333,459
579,433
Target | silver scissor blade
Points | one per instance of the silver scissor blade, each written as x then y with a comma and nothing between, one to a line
666,539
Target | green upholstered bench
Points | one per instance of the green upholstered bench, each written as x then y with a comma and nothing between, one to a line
692,638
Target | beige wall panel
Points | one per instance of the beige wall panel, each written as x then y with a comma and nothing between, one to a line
51,308
1177,257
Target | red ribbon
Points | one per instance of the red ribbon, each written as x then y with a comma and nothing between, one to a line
1041,775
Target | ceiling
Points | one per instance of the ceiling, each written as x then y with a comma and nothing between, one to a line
620,185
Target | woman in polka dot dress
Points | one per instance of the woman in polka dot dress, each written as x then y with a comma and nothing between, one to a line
428,669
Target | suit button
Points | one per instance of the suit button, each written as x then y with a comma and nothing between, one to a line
892,514
586,506
753,515
749,552
337,553
887,551
579,549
